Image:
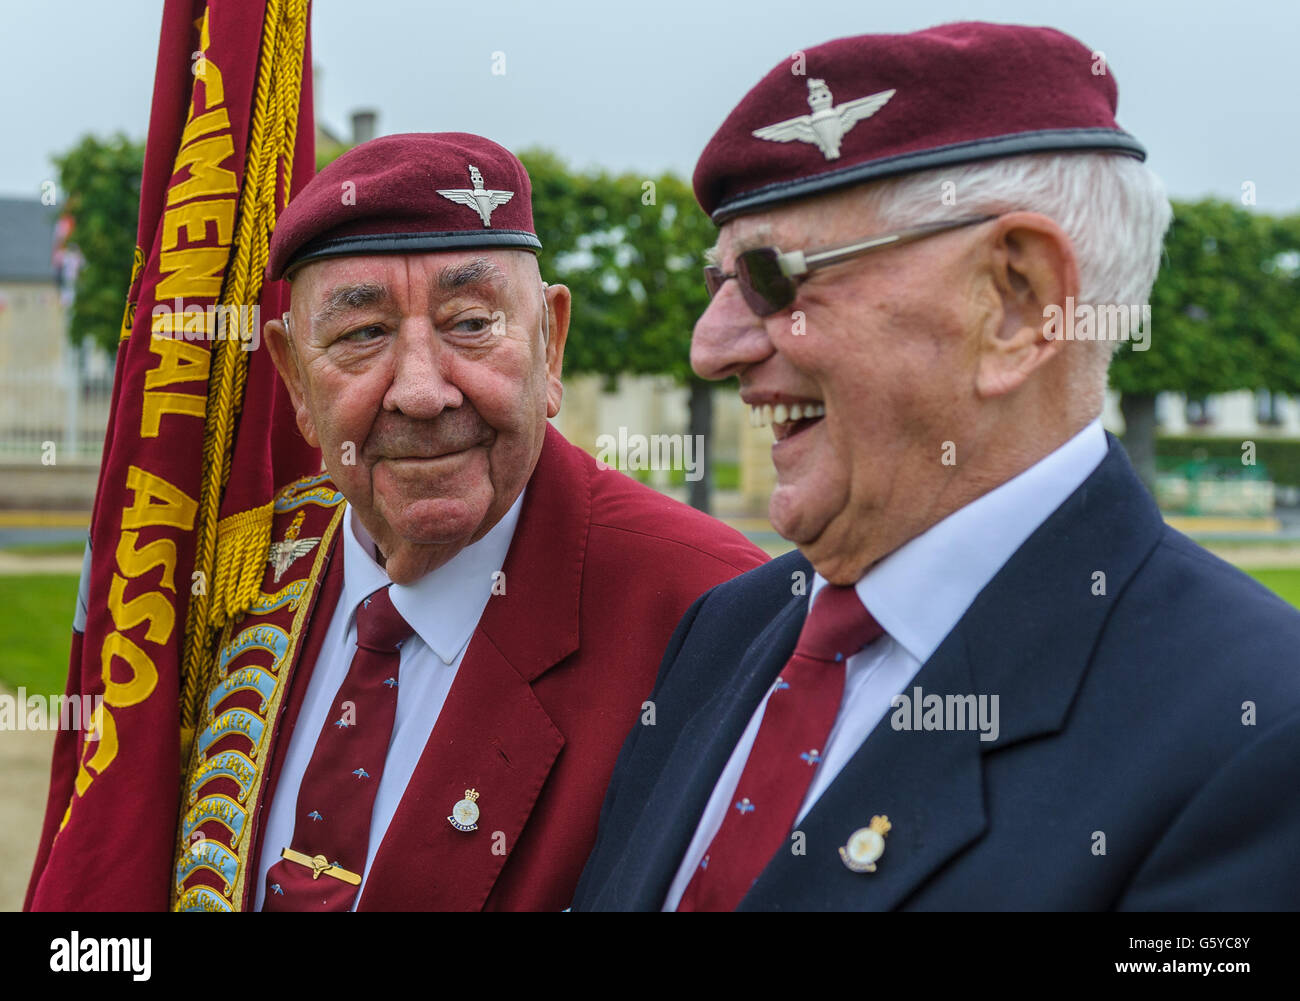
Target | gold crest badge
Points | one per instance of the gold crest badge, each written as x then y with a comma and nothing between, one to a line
464,815
866,845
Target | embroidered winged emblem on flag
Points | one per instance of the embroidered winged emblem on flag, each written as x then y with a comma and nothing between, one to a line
481,199
828,124
283,553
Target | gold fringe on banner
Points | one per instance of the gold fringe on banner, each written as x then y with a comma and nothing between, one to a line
230,551
243,542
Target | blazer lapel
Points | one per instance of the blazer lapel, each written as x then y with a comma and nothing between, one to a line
928,784
493,735
673,809
1032,631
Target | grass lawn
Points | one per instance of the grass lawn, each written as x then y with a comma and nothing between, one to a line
1282,581
36,623
36,631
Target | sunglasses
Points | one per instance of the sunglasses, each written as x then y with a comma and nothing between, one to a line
769,279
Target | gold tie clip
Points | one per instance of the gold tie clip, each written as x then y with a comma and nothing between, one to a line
321,864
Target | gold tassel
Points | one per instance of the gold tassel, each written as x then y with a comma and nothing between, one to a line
243,542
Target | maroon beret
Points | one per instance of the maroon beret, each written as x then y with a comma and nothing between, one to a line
858,109
408,194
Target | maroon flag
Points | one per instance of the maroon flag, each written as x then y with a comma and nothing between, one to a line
200,437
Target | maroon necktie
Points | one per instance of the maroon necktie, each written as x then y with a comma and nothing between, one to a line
800,712
337,794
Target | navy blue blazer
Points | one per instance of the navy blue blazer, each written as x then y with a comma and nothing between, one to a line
1162,716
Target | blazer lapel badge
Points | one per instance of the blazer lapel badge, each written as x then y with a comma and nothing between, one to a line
866,845
464,815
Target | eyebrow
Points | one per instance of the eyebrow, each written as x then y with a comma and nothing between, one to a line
339,301
759,236
348,297
479,271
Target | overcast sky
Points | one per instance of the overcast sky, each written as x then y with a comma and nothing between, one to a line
1211,88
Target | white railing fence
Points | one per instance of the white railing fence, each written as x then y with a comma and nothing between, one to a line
52,414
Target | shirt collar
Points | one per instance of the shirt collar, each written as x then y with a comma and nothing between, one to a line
922,589
443,606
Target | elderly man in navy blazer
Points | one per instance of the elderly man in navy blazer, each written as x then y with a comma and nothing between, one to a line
991,677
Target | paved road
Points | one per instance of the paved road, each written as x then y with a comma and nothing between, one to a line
12,563
24,782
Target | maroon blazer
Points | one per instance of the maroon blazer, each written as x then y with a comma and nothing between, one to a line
598,574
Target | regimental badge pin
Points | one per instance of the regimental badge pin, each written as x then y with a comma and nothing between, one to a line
866,845
828,123
282,554
464,815
481,199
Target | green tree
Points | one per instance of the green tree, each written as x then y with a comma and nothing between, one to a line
631,249
1225,315
101,178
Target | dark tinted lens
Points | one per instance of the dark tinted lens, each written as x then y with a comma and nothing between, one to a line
712,279
762,283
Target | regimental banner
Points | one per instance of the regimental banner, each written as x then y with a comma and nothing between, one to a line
256,657
201,436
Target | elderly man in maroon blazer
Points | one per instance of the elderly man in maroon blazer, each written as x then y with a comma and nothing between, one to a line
460,621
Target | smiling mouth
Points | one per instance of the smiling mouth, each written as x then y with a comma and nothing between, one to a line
424,458
787,420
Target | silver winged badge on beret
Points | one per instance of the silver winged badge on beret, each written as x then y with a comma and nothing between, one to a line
482,200
828,123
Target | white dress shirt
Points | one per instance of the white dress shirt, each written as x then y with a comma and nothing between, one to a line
917,593
443,607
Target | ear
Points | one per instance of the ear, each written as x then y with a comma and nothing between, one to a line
1033,271
558,302
280,343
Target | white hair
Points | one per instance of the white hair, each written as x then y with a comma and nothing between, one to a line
1112,207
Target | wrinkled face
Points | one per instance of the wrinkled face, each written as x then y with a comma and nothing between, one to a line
426,382
877,350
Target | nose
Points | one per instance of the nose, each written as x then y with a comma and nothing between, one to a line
422,383
728,337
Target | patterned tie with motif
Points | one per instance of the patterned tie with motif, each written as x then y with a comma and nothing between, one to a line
331,836
800,712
